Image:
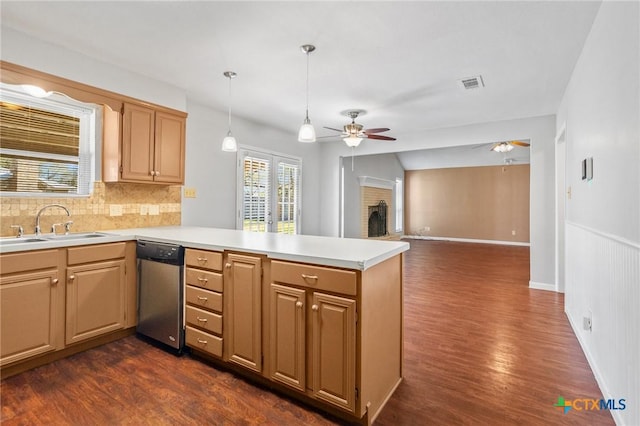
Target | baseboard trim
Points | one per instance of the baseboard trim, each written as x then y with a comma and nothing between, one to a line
468,240
542,286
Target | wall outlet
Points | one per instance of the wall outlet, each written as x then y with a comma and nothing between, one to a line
513,232
587,321
144,209
428,228
189,193
115,210
154,210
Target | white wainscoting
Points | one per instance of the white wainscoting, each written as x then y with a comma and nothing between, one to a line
603,280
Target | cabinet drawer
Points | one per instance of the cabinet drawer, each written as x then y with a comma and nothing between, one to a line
204,299
28,261
315,277
203,341
205,320
204,279
95,253
203,259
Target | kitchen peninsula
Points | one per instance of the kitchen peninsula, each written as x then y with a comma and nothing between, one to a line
317,318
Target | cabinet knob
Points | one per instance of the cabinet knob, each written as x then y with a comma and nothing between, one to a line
298,304
55,281
157,173
152,173
314,308
72,277
228,265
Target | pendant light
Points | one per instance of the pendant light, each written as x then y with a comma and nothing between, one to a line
307,133
229,142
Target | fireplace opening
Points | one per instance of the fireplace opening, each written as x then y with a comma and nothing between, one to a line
378,220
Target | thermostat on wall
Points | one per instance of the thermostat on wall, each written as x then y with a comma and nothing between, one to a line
587,168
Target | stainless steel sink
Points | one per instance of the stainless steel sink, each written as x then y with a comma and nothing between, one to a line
74,236
12,241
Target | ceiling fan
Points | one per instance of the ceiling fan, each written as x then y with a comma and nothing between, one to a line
507,146
353,133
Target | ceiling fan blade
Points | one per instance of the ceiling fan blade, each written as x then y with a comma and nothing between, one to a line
377,130
380,137
331,128
329,136
519,143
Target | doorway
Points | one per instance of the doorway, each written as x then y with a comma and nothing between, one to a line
561,197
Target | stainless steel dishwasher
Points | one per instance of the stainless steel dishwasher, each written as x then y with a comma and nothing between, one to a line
160,293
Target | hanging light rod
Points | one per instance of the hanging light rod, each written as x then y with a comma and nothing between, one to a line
229,143
307,133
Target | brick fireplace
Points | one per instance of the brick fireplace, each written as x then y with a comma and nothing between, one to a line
372,192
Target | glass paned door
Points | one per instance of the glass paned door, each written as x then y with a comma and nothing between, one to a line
270,198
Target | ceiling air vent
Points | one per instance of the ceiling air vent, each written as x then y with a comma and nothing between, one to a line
471,82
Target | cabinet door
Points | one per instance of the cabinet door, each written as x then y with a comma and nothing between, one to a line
334,350
287,336
28,314
137,143
95,300
243,322
169,148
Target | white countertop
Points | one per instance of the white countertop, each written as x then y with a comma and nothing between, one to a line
349,253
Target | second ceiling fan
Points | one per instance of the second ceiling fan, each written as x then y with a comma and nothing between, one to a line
353,133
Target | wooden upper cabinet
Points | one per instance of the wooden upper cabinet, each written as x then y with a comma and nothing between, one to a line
152,145
169,148
138,143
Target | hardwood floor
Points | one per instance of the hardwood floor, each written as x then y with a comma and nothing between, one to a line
481,348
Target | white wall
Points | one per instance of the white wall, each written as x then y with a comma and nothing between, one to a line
382,166
21,49
541,132
212,172
601,109
208,169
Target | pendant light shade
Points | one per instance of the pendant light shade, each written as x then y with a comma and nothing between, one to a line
229,143
307,133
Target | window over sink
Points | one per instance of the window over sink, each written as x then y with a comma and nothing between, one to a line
47,144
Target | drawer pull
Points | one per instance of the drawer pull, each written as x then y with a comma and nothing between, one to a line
201,319
298,304
228,265
55,281
202,298
314,308
309,277
203,280
202,259
202,342
71,278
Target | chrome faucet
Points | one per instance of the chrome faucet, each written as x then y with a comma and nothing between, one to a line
43,209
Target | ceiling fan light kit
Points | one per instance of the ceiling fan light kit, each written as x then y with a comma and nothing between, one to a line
353,133
229,143
502,147
307,133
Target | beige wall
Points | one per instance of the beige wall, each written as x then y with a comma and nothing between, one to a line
93,213
484,203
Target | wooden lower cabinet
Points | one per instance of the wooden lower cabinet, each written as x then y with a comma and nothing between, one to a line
51,300
28,314
287,331
95,300
243,315
334,350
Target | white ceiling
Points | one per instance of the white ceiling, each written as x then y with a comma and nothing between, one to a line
400,61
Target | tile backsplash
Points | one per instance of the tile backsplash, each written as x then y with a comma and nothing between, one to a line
140,205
